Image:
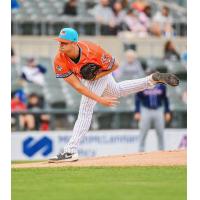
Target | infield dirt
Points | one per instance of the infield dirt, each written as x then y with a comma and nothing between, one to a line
159,158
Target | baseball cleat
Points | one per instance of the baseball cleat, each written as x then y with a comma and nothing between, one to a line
64,157
166,78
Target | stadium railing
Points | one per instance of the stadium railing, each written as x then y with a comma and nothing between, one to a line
104,118
85,25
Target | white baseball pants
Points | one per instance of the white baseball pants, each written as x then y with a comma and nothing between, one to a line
105,86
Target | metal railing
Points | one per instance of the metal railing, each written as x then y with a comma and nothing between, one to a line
86,25
114,118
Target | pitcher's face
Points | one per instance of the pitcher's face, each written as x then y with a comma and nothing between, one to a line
66,47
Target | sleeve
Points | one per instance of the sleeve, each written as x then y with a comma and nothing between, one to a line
166,101
105,60
24,77
137,102
42,69
61,70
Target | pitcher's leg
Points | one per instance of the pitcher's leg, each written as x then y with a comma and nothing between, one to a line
127,87
83,121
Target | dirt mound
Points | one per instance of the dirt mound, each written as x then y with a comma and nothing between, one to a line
159,158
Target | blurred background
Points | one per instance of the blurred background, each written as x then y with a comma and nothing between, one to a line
144,35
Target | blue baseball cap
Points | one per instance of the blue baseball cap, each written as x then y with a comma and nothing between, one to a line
67,34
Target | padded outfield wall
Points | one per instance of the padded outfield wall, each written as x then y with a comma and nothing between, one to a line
43,145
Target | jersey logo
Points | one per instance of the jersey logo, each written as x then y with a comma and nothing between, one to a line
59,68
62,33
105,59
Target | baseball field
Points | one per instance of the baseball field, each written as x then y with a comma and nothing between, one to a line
91,179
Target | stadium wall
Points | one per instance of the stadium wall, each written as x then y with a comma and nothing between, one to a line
43,145
45,46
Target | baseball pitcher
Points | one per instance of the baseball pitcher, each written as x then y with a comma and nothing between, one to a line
83,60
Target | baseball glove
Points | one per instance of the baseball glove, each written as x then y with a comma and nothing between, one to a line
89,71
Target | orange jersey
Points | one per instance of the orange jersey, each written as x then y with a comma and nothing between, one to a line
89,53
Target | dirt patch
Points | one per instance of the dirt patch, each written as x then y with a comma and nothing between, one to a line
159,158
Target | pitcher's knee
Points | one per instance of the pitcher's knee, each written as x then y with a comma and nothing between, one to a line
85,113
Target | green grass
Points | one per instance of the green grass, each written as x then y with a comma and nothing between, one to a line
130,183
